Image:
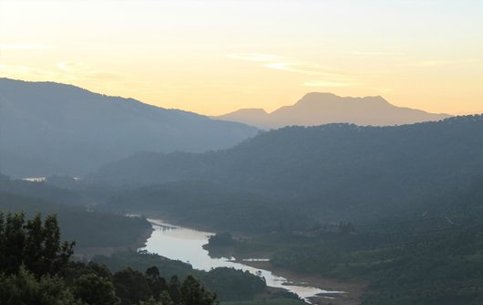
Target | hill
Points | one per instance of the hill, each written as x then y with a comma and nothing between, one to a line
399,208
49,128
94,232
333,172
323,108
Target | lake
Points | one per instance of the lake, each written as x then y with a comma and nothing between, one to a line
186,245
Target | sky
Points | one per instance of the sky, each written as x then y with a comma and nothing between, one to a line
213,57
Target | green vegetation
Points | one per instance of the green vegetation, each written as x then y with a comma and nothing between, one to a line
24,288
33,244
40,190
295,177
92,228
87,228
229,284
222,208
79,221
267,302
432,262
399,207
36,269
221,240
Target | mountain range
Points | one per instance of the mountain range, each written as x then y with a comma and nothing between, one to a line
50,128
323,108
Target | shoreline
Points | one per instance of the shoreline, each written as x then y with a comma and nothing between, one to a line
353,290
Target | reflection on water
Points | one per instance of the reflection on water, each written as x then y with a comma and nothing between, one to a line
186,245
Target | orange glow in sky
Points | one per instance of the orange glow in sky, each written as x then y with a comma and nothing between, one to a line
214,56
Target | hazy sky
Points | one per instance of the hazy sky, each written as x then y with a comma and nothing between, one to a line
216,56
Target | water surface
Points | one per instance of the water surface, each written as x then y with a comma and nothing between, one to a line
186,245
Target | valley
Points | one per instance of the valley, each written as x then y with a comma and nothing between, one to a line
331,214
227,152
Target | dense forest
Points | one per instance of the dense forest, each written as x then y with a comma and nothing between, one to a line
84,224
334,171
229,284
96,230
206,204
425,260
403,264
230,152
36,268
311,176
397,207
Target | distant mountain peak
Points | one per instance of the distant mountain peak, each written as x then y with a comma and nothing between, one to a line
315,94
318,108
326,97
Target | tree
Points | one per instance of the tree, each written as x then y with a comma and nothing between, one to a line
24,288
13,243
193,293
221,240
174,290
34,244
35,269
156,283
95,290
131,286
55,254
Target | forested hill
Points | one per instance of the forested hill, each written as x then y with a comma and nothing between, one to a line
50,128
89,227
335,170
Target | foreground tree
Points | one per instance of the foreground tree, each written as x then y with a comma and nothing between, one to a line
95,290
25,288
131,286
193,293
35,269
35,245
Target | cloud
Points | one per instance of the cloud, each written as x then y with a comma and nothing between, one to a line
282,63
326,77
